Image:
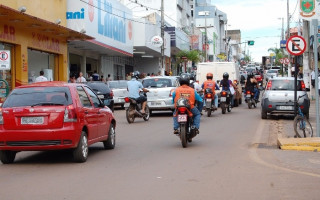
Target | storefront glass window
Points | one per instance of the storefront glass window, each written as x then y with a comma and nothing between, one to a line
40,61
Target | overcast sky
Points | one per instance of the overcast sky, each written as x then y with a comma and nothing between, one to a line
258,21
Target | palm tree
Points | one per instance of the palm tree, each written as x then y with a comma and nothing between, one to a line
279,54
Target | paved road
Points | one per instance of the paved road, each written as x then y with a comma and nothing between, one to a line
234,157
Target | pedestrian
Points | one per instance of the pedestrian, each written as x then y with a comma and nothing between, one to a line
81,79
41,78
102,79
72,78
95,76
313,76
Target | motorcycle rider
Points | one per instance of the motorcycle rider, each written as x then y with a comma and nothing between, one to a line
198,89
252,85
185,91
134,88
225,83
210,83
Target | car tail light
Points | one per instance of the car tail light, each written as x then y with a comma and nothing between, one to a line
1,117
182,110
269,85
127,100
301,107
303,86
111,94
269,106
70,114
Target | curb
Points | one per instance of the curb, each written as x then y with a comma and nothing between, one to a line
300,144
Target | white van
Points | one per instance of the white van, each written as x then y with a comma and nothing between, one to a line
217,69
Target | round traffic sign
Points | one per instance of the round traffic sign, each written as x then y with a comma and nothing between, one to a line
296,45
286,61
281,60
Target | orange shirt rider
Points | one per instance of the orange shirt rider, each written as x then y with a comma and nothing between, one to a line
186,92
210,84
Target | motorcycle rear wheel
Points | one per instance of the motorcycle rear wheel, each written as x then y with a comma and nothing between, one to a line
223,108
183,135
229,108
208,112
249,104
130,118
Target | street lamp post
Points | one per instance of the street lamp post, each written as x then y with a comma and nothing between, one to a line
162,36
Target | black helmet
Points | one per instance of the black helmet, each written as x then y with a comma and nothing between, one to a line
184,79
226,75
192,77
250,75
136,74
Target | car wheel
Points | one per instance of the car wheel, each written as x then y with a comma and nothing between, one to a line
264,114
110,143
7,157
80,154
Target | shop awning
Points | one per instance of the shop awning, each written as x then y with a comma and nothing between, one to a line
26,21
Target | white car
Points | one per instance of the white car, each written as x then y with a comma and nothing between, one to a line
119,89
160,92
271,73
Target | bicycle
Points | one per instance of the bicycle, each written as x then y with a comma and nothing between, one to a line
301,124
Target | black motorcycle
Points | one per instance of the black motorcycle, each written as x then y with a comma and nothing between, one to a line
209,101
185,120
249,98
134,110
225,101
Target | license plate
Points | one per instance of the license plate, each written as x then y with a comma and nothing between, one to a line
101,96
182,118
248,95
285,107
208,100
156,103
32,120
223,99
126,105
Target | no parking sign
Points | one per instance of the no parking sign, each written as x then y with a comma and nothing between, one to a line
4,60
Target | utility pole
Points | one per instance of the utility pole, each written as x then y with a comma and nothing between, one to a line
162,36
205,37
288,36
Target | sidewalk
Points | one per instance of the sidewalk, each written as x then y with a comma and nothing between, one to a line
288,142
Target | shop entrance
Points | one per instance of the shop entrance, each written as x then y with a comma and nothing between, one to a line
40,61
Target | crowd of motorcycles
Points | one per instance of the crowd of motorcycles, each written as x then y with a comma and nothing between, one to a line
183,112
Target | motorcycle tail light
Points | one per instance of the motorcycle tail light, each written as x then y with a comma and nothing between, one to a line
301,107
224,93
248,92
70,114
127,100
209,96
182,110
303,86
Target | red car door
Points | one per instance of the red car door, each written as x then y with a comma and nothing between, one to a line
102,120
90,114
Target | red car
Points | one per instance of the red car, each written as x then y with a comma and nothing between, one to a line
52,116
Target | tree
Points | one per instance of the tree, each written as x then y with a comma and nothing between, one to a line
279,54
192,55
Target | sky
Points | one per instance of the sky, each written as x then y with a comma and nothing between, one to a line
259,20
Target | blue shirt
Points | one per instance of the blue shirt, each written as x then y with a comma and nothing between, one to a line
134,87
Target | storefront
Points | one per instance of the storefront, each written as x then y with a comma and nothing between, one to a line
31,44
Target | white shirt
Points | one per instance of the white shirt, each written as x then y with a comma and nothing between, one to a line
41,79
313,75
81,79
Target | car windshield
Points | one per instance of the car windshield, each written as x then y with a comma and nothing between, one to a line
99,87
284,85
157,82
117,84
272,71
38,96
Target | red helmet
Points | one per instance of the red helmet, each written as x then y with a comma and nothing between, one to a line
209,75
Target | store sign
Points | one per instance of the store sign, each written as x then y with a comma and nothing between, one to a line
309,9
108,21
156,41
5,60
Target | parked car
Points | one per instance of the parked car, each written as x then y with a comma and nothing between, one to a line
271,73
278,97
104,92
119,89
53,116
160,92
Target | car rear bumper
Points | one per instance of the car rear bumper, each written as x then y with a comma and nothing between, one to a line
283,107
42,139
163,104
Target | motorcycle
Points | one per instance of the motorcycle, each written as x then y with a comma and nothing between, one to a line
209,101
134,110
185,120
225,101
250,100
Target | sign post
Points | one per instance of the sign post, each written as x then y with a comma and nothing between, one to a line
296,45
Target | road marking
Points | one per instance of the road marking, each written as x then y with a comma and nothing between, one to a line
255,157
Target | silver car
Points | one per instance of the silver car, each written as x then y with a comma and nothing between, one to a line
160,91
278,97
119,89
271,73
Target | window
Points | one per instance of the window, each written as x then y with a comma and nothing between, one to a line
157,83
94,97
83,97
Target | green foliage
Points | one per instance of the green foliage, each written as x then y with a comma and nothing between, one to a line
278,53
192,55
247,58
